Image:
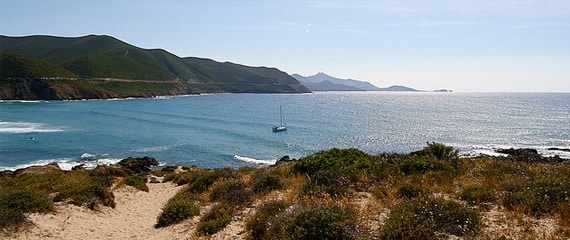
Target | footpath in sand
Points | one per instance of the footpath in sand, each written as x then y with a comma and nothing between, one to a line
133,217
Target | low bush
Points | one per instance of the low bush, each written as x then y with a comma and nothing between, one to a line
216,219
16,202
137,181
11,219
477,194
234,192
316,222
429,218
161,172
539,195
352,162
330,182
175,211
264,219
409,191
89,195
423,164
105,175
266,181
440,151
26,201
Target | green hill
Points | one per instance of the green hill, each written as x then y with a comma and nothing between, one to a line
129,71
18,66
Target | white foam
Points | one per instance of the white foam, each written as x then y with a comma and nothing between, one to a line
88,161
151,149
255,161
26,127
87,155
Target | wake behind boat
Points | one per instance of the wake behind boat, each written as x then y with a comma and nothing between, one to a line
281,127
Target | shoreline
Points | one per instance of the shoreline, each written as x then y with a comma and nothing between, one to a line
92,161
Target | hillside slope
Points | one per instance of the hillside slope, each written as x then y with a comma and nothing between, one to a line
122,69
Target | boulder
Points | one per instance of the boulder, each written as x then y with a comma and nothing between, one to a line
139,165
285,159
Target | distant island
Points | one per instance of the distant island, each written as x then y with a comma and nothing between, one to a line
99,66
324,82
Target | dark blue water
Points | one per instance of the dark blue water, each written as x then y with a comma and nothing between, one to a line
209,130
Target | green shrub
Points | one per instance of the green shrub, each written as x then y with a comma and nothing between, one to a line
266,182
43,182
317,222
410,191
137,181
330,182
26,201
105,175
87,195
165,170
423,164
351,162
265,218
536,201
177,211
15,203
439,151
429,218
216,219
200,180
477,194
232,191
11,219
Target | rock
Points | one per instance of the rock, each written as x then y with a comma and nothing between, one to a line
38,169
559,149
139,165
285,159
78,167
528,155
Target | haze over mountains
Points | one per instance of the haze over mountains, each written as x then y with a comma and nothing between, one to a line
324,82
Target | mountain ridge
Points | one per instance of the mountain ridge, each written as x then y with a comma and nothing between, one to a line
323,82
140,72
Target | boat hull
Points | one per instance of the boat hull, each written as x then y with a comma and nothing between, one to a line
279,128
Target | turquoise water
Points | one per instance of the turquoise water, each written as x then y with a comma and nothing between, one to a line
211,130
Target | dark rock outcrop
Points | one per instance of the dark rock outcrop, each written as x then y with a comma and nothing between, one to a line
528,155
139,165
285,159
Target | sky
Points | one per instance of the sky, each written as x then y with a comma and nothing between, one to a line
463,45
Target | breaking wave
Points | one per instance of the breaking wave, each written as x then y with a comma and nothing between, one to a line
255,161
26,127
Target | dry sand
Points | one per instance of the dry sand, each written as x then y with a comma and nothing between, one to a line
133,218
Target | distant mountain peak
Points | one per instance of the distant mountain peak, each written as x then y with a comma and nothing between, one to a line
324,82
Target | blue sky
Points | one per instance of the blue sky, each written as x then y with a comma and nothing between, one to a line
480,45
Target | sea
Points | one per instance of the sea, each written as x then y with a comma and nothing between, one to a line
234,130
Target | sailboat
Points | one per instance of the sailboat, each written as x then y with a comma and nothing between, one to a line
281,127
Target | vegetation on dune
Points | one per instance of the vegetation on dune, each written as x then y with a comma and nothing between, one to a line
335,194
23,193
